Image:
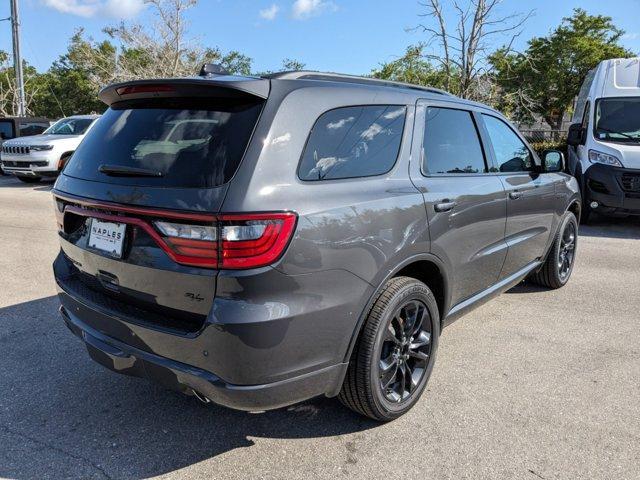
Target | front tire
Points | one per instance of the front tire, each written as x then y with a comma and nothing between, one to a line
395,353
557,268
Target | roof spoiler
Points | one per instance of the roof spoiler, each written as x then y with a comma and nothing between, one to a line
209,85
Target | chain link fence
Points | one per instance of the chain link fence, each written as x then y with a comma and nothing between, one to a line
539,136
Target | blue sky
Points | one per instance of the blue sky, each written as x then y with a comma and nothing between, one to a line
350,36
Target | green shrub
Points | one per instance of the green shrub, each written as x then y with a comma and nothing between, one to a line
540,147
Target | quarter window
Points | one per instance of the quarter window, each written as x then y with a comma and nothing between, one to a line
451,143
353,142
512,155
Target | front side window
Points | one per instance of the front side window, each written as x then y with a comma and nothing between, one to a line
70,126
353,142
451,143
512,155
618,120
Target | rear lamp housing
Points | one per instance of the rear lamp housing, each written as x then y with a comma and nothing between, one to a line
234,242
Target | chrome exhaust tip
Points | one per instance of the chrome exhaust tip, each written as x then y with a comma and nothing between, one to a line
200,397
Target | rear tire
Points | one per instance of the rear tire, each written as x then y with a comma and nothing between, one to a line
28,179
395,353
557,268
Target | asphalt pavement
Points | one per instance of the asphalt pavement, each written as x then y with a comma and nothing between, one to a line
536,384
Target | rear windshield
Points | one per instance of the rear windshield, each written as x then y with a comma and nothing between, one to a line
193,144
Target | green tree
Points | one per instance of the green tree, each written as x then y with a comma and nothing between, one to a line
412,67
9,89
545,78
291,64
71,85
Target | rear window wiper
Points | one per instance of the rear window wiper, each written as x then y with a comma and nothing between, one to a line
124,171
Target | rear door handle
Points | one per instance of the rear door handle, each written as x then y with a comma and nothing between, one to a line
444,206
515,195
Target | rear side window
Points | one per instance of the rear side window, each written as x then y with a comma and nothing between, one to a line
353,142
451,143
192,144
28,129
512,155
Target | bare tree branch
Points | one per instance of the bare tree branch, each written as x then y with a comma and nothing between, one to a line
462,51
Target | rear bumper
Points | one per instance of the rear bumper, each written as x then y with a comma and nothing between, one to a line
128,360
615,189
270,339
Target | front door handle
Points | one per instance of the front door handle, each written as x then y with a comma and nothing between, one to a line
444,206
515,195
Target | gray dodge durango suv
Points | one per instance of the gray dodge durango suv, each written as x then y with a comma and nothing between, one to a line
257,242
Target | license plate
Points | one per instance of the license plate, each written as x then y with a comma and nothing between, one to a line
108,237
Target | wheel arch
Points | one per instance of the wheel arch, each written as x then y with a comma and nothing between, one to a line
427,268
575,207
63,159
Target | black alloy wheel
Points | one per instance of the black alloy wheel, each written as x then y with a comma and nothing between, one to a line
395,351
405,351
556,270
567,250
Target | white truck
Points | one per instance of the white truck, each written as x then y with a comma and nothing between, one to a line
32,158
604,139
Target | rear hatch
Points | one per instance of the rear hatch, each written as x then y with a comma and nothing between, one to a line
137,204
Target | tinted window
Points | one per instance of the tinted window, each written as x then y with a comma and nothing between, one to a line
512,155
353,142
27,129
191,143
70,126
6,130
451,143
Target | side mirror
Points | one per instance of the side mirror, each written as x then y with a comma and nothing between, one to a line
575,135
552,161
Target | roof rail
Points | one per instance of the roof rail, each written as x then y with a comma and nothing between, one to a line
340,77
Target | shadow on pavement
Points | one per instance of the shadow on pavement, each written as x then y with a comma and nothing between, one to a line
526,287
625,228
63,416
9,181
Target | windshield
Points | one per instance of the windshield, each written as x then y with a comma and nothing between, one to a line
618,120
190,144
69,126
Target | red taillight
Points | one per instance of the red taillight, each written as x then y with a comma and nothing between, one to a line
152,88
234,242
256,240
237,241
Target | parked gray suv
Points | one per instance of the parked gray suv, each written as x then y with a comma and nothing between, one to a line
257,242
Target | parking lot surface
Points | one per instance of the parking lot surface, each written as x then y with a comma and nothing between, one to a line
536,384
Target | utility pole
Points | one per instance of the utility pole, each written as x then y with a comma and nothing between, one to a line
17,58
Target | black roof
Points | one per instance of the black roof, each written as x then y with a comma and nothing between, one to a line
27,119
